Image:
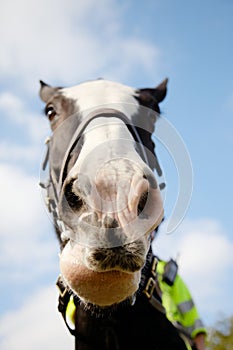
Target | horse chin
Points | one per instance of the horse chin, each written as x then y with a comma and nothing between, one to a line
102,289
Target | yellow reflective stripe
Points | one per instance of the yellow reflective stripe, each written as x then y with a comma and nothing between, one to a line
185,306
197,327
160,267
70,310
186,341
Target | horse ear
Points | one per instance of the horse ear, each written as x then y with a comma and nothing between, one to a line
161,90
152,97
46,91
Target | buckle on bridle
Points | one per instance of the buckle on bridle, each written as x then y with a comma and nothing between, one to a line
63,293
60,286
151,283
154,266
64,296
150,286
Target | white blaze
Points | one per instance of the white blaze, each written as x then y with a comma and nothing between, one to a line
103,93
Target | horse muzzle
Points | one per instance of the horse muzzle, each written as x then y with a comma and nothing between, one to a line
114,209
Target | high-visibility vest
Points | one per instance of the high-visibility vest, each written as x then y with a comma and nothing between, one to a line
179,305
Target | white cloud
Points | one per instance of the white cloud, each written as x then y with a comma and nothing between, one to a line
13,153
69,41
205,259
35,325
16,112
21,204
28,247
24,133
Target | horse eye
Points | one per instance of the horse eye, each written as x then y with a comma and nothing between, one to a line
50,112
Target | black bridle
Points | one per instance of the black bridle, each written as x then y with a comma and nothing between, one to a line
58,173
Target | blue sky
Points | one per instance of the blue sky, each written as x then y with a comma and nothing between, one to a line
139,44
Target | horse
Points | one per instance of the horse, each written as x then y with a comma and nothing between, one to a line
105,202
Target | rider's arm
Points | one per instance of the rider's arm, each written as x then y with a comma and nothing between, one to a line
199,341
180,307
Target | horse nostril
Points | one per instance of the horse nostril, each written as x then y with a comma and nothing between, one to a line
74,201
151,179
142,202
110,222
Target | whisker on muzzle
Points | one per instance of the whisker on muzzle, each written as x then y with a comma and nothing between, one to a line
128,258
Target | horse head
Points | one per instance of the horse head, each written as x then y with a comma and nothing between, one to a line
103,192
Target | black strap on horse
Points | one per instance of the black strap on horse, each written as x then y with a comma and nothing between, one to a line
63,300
